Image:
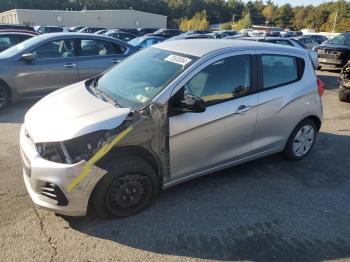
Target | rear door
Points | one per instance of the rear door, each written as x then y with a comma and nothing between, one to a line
280,99
95,56
223,133
55,66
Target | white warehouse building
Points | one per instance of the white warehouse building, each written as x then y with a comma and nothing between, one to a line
91,18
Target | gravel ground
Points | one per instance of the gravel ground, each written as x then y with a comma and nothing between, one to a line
266,210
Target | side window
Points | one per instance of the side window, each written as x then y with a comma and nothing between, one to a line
280,70
99,48
5,42
223,80
55,49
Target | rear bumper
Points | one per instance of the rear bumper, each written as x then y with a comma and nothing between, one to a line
336,63
38,173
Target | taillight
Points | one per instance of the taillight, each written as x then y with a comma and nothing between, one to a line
321,87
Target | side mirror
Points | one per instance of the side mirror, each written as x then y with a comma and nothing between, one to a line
193,104
29,57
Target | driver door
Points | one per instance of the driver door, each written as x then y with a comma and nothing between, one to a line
202,142
55,66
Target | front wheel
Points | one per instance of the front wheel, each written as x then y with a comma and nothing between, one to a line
301,140
344,94
4,95
130,185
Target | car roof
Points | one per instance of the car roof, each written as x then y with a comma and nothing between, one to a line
202,47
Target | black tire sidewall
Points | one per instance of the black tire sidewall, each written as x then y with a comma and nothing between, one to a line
288,151
123,166
7,92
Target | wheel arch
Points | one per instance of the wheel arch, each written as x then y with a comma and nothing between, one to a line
2,82
138,151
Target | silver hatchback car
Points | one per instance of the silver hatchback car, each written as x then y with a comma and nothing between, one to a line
167,114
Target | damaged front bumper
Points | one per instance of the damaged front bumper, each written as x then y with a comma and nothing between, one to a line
47,182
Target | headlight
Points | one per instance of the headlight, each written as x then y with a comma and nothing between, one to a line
74,150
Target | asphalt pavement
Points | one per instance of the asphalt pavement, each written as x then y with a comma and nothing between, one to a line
266,210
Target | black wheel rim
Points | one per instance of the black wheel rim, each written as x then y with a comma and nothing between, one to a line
3,96
128,194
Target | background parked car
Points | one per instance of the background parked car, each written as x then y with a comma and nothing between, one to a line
101,32
317,38
286,41
144,31
223,33
335,52
10,38
121,35
75,28
90,29
306,41
145,41
129,30
47,62
49,29
17,27
199,36
197,32
291,33
166,33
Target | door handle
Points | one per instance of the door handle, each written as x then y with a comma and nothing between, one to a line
70,65
116,61
242,109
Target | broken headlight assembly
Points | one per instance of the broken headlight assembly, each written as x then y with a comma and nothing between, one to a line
75,150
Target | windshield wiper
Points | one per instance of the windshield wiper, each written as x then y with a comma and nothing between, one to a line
102,94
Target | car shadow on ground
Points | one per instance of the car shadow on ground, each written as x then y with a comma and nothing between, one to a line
14,113
330,81
266,210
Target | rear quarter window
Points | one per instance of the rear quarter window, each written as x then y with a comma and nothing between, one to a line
279,70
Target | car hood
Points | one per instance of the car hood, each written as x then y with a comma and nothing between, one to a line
71,112
333,47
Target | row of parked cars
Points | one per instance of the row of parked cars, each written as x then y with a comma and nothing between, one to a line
46,62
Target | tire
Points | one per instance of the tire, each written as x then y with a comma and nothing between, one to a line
344,95
4,95
307,141
130,185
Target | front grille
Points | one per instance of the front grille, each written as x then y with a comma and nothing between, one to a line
53,192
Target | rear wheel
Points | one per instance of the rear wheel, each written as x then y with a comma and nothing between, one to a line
344,94
130,185
301,140
4,95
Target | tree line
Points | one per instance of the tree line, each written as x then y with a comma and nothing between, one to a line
232,13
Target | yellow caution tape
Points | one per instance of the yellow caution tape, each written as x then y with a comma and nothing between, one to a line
100,153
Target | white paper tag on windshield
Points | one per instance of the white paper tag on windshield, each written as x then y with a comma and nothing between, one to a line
178,59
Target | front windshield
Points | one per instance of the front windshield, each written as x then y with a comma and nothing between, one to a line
343,39
136,41
138,79
19,47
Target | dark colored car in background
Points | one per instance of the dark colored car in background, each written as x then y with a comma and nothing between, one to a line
166,33
45,29
10,38
120,35
335,52
145,41
48,62
16,27
318,38
144,31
